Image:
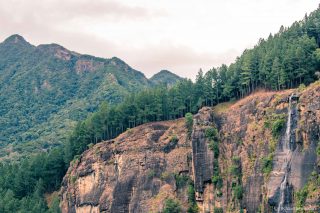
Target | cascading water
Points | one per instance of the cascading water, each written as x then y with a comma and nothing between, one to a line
284,198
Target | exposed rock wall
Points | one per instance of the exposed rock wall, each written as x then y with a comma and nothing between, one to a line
136,172
133,173
202,157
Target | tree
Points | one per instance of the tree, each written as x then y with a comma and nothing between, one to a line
246,72
276,74
171,206
199,88
55,208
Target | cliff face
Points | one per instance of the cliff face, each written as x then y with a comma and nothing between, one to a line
143,167
135,172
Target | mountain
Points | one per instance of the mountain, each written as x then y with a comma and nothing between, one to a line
232,161
249,140
46,89
165,77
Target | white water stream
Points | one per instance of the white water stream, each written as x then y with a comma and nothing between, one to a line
287,159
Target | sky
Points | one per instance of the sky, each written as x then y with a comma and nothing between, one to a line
150,35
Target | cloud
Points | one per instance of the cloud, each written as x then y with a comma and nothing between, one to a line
43,17
181,36
183,60
59,10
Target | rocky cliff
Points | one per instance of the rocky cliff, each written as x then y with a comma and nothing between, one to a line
234,159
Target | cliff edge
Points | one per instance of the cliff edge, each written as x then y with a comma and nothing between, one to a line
231,160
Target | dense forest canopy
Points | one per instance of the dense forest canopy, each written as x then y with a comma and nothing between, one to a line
285,60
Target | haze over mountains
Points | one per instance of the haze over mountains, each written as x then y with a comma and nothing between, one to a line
45,89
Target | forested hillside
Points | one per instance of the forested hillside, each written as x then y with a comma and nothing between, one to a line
44,90
285,60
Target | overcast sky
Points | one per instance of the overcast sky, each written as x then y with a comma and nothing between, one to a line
179,35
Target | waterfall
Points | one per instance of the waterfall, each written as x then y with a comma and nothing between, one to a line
286,144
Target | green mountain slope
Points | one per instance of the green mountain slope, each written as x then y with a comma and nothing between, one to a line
45,89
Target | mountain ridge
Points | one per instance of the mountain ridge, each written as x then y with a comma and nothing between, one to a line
42,80
17,38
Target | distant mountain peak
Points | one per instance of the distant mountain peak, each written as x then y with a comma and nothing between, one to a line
52,46
165,73
14,39
165,77
162,72
118,61
57,50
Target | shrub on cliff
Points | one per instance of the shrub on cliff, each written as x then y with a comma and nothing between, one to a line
213,145
181,180
218,210
211,133
277,127
171,206
301,196
267,164
217,181
193,207
189,122
174,139
235,168
238,192
318,149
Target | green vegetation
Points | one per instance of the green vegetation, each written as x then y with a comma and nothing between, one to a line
276,123
108,122
277,127
165,77
189,123
193,207
73,179
60,93
318,149
300,197
310,190
147,106
266,164
151,174
235,168
217,181
43,96
166,176
211,133
218,210
236,172
22,185
301,87
238,192
216,178
181,180
171,206
214,146
54,207
174,139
